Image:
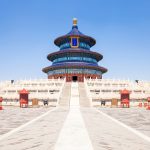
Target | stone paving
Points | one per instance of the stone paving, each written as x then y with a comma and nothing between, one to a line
12,117
108,135
138,118
74,135
39,135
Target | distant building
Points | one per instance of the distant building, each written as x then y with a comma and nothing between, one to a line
74,60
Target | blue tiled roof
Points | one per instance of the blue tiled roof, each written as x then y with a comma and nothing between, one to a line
74,31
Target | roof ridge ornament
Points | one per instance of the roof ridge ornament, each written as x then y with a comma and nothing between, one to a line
75,21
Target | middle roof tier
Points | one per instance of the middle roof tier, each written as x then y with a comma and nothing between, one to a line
74,53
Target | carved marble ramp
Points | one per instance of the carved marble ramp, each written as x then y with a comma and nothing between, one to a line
73,135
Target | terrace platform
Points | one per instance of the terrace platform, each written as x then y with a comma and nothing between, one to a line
78,126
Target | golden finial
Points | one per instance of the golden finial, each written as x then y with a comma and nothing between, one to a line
75,21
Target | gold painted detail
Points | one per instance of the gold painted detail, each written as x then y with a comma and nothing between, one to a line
77,42
75,21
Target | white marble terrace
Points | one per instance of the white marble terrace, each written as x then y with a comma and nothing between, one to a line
42,89
108,89
96,89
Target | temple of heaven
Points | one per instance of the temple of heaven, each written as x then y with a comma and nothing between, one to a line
74,61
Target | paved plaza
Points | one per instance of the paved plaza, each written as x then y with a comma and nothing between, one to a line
74,128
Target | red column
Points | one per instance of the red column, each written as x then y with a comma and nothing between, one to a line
1,99
148,100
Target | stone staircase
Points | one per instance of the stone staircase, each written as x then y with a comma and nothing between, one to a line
65,95
84,100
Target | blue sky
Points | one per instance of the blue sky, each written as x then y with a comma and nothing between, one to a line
120,27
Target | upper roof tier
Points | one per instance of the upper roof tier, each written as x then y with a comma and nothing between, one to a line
75,33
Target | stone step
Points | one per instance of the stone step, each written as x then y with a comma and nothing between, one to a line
65,95
84,99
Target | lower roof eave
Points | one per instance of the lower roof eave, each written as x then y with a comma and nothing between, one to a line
50,68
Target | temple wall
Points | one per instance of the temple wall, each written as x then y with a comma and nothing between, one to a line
80,77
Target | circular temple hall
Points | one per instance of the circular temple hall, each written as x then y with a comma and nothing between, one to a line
75,61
